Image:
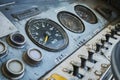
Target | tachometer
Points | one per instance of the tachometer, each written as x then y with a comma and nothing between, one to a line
71,22
47,34
86,14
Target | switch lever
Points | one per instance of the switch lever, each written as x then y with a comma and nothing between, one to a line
90,56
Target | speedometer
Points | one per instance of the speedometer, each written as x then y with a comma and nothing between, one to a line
47,34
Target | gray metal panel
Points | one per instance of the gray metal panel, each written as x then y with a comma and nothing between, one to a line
49,10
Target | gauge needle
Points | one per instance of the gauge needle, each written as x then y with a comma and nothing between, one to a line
46,38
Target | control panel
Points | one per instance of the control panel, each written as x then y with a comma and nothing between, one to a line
56,40
91,61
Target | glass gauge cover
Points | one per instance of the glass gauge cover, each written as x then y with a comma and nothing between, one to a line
71,22
86,14
47,34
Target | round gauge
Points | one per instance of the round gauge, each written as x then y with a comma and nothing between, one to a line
86,14
47,34
71,22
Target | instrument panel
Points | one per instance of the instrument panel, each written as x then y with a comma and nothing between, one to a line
47,38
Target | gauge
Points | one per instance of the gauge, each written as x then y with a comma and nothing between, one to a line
71,22
86,14
47,34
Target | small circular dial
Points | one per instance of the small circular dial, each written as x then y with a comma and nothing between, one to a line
70,21
47,34
86,14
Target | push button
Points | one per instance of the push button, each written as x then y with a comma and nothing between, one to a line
3,49
13,69
16,40
33,56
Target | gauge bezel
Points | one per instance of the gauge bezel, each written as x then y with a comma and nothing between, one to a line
49,21
73,15
89,11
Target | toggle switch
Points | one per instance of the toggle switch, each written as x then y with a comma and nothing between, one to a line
90,56
76,66
103,40
117,27
99,45
107,36
83,62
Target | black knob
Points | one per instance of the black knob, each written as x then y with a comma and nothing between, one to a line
113,31
117,27
75,70
99,45
103,40
76,66
76,73
107,37
83,62
90,56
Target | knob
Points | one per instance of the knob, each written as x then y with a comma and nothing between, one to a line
3,49
76,66
76,73
107,37
16,40
33,56
13,69
117,27
83,62
103,40
113,31
99,45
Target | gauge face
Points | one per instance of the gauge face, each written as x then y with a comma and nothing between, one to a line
86,14
71,22
47,34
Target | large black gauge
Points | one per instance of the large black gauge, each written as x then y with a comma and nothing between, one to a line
47,34
86,14
71,22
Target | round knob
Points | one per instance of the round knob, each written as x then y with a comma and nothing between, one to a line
3,49
13,69
33,56
16,40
